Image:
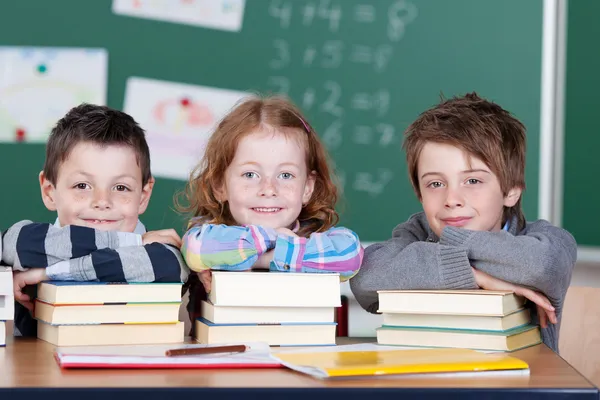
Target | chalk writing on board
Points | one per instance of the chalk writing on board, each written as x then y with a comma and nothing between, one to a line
332,136
334,93
281,10
281,84
378,101
351,112
387,134
329,55
373,184
378,57
308,98
364,13
282,58
382,135
326,10
400,14
330,94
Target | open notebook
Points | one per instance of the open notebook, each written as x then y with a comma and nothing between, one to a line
153,356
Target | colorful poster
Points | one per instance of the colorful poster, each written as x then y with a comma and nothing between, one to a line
226,15
38,85
178,119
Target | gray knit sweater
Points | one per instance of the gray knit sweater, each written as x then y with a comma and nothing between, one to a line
541,257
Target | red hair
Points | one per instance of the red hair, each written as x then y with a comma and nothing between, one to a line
280,115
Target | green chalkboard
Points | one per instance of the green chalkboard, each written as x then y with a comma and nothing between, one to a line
581,162
361,70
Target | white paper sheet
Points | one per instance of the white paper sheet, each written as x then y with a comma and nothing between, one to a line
178,119
38,85
216,14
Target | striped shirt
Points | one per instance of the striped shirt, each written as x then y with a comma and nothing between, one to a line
76,253
237,248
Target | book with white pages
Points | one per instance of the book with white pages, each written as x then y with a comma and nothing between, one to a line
455,302
2,333
275,289
241,315
6,280
7,307
448,321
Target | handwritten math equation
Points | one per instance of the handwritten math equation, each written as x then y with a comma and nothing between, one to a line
330,96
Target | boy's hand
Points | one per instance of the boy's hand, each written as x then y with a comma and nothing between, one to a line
164,236
206,279
545,309
21,279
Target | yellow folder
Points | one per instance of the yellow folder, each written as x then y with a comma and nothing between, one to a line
330,364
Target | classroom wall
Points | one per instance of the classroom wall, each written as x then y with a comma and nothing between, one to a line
361,71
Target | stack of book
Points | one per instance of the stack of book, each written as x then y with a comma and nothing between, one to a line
7,301
281,309
96,313
473,319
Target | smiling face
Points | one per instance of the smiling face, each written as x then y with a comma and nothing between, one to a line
98,187
458,190
267,182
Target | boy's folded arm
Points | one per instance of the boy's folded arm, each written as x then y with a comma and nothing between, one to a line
30,244
223,247
408,261
542,258
154,262
336,250
404,264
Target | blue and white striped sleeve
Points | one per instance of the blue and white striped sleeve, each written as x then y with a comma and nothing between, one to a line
78,253
154,262
30,244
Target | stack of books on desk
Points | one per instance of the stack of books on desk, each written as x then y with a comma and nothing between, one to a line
281,309
96,313
7,301
473,319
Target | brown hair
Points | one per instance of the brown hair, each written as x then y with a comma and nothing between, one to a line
95,124
273,112
483,130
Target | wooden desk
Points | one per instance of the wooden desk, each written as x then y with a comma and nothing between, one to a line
28,371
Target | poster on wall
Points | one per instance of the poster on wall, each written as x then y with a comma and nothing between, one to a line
215,14
38,85
178,119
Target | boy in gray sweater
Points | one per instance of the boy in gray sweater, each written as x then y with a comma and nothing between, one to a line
466,161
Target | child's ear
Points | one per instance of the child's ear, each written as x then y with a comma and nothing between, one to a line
146,193
220,193
309,187
512,197
47,189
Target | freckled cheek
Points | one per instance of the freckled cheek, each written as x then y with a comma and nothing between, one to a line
289,189
80,198
246,189
125,202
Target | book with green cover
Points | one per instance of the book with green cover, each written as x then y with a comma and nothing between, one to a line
511,340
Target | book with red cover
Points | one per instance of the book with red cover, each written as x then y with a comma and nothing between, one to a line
257,355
